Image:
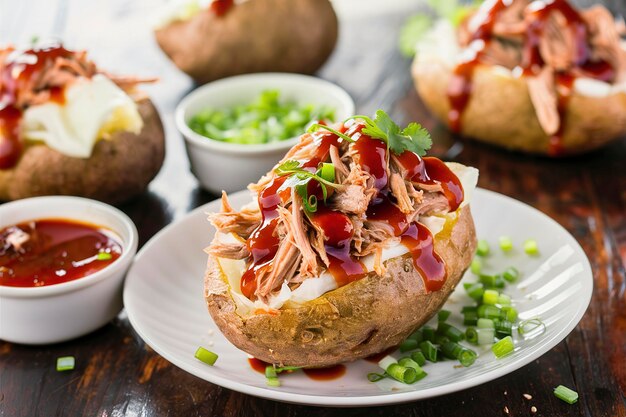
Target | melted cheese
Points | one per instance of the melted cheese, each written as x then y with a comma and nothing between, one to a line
93,108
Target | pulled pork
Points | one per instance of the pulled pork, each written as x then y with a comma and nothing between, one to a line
546,40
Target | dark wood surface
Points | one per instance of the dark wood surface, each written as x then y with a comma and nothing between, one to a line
117,374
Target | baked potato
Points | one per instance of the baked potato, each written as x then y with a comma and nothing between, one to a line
555,104
70,129
336,319
252,36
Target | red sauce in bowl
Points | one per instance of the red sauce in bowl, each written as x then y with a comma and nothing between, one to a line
53,251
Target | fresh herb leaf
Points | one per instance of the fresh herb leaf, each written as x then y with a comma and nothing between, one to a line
299,179
316,126
413,138
413,30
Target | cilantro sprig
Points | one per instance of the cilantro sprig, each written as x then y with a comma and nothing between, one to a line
412,138
299,179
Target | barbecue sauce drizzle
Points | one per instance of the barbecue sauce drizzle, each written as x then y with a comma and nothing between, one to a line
460,88
372,155
20,68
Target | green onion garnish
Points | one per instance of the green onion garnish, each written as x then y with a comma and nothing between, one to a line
504,300
482,249
418,357
508,313
506,244
503,347
563,393
374,377
206,356
467,357
529,326
401,373
272,382
417,335
428,333
327,171
474,290
410,363
485,324
530,247
486,336
429,350
511,274
408,344
453,350
270,372
450,332
65,363
104,256
476,266
503,328
490,297
443,315
470,318
487,280
471,335
487,311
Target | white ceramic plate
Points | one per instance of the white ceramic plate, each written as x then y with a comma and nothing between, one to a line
164,299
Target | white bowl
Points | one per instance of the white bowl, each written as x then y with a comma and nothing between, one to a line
59,312
229,166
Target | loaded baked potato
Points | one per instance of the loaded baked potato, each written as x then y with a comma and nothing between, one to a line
68,128
230,37
534,76
356,241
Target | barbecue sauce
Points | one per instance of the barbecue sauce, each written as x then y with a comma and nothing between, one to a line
460,88
54,251
20,69
221,7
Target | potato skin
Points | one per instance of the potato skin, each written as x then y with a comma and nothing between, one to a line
352,322
501,113
254,36
119,168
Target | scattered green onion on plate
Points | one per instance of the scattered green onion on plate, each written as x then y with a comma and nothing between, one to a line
65,363
206,356
563,393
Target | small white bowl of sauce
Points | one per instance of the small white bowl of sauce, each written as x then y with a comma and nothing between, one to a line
62,267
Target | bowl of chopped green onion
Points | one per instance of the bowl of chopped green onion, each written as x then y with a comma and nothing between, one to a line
236,129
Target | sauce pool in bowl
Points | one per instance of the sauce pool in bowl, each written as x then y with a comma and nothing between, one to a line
53,251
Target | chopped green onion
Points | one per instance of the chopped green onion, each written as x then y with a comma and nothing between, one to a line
487,311
441,339
272,382
490,297
504,300
327,171
482,249
206,356
443,315
450,332
530,247
417,335
452,350
487,280
530,326
467,357
503,347
476,266
503,328
410,363
486,336
475,290
270,372
471,335
508,313
104,256
408,344
418,357
402,374
511,274
485,324
386,362
429,350
563,393
470,318
466,309
506,244
429,333
65,363
374,377
500,283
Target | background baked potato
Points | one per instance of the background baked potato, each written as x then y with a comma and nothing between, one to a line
253,36
120,166
500,111
354,321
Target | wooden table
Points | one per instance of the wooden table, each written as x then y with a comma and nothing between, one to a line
117,374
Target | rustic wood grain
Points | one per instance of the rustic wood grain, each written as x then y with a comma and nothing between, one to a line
118,375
